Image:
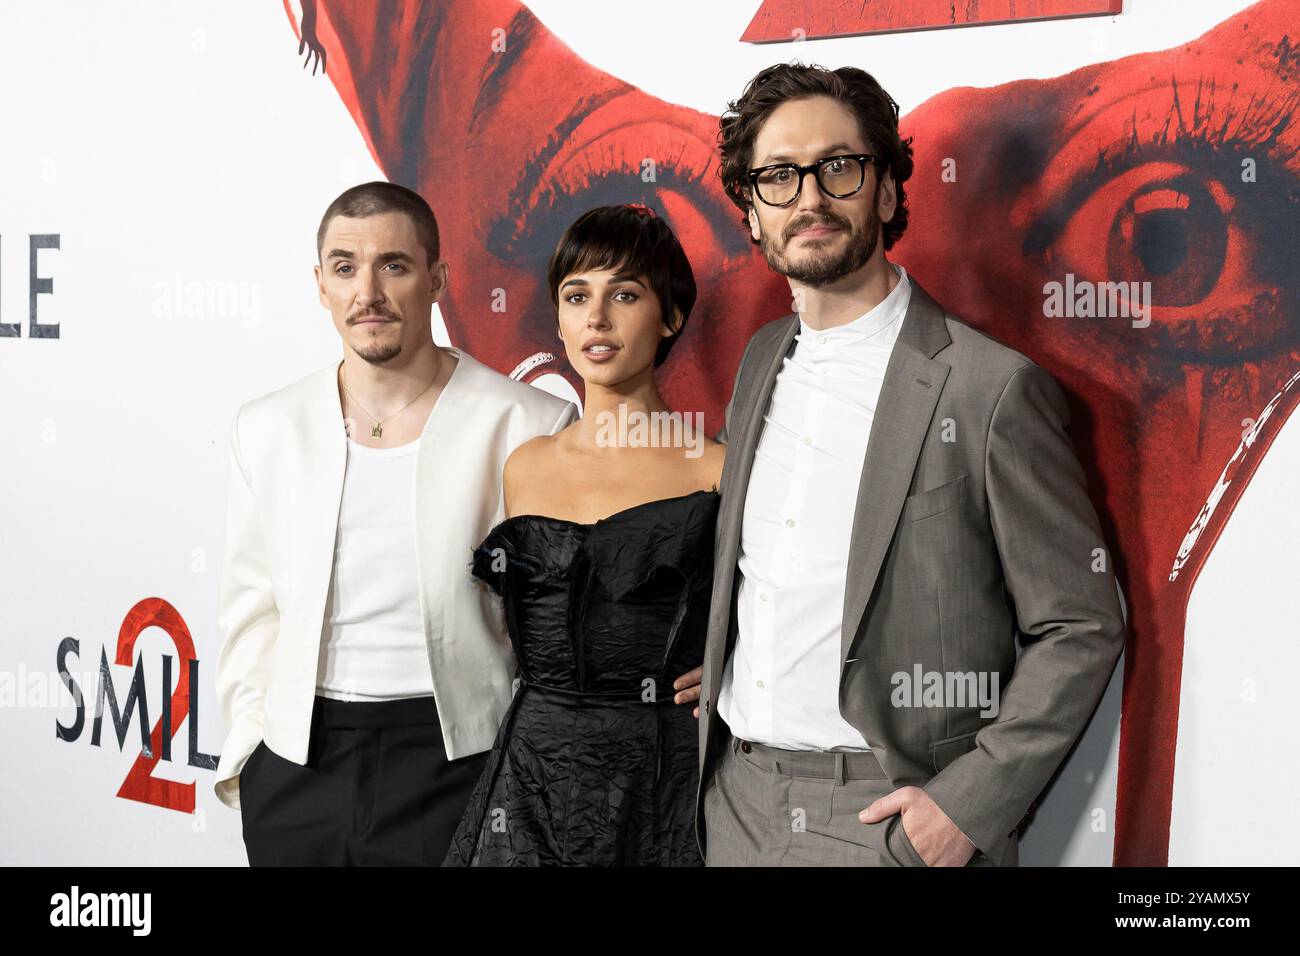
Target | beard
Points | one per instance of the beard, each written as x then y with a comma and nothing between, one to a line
377,353
820,267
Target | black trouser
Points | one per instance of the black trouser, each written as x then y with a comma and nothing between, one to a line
377,789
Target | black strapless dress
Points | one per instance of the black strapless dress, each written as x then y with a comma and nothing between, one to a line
594,765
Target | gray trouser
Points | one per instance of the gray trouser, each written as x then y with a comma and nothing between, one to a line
764,806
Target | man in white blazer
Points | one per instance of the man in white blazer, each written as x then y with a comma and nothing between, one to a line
362,673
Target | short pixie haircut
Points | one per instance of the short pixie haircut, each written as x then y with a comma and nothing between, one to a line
630,238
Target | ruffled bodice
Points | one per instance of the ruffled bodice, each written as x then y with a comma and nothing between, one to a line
594,763
603,608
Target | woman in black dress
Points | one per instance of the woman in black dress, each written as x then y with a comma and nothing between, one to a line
604,567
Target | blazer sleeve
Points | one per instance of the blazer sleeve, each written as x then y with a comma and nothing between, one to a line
248,620
1067,608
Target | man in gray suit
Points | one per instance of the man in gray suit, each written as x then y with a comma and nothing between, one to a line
900,502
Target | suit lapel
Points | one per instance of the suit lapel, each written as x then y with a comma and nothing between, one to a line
756,404
908,395
735,485
323,448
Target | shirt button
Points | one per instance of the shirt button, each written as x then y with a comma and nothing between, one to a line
759,684
807,440
762,595
821,338
789,522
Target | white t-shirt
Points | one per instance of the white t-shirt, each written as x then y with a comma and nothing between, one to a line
372,642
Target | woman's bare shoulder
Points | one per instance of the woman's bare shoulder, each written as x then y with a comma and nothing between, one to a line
532,463
531,451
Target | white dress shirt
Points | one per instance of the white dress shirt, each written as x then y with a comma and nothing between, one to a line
373,645
781,683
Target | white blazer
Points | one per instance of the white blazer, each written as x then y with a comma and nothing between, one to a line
288,454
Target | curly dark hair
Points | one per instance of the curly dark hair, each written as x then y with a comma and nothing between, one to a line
857,89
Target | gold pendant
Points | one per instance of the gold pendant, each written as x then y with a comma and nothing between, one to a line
377,431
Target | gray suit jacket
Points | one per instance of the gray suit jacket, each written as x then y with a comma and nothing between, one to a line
972,527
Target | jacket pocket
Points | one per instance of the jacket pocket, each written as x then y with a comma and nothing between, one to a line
944,752
926,504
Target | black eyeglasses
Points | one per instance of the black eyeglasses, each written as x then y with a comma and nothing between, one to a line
838,176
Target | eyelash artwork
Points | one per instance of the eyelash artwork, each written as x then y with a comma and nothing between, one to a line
1208,129
607,172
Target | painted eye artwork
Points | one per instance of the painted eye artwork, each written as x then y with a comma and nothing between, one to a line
1179,168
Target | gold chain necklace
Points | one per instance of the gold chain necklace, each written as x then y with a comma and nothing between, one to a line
377,431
